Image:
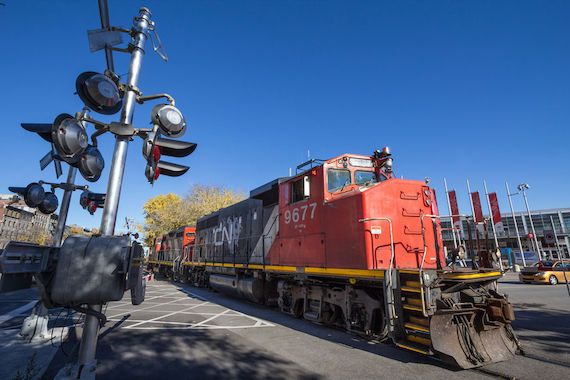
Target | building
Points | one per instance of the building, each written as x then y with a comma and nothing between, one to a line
552,228
22,223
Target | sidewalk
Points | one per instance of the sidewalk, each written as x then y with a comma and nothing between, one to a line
23,359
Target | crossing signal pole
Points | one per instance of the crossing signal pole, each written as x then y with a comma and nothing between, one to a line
80,284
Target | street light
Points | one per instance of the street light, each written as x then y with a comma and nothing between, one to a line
522,188
509,195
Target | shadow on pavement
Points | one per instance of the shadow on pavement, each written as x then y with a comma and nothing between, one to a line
331,334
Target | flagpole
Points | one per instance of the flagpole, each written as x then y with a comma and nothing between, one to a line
491,214
450,213
493,224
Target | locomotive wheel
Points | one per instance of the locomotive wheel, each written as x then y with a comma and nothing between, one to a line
297,309
332,314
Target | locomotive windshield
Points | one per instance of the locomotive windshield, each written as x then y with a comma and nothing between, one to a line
364,177
338,178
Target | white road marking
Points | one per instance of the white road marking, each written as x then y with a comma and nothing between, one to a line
211,318
165,315
16,312
148,307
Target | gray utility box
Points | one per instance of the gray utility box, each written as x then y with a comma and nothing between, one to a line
91,270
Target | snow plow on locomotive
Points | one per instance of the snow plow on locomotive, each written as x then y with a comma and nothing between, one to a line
345,243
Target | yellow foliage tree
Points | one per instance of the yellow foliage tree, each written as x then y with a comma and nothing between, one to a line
167,212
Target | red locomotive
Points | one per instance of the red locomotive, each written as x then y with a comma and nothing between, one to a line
346,243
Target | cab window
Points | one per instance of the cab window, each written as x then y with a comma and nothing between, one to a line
362,177
337,179
300,189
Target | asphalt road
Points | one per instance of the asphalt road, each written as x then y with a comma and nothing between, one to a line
185,332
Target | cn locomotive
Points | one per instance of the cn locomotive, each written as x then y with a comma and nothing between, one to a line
346,243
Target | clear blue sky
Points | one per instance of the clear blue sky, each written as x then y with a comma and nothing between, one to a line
474,89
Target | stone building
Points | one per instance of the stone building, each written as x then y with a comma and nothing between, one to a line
22,223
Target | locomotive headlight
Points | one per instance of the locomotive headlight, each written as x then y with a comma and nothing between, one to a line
99,92
49,204
91,164
69,137
169,119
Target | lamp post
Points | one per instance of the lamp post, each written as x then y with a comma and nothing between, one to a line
523,187
509,195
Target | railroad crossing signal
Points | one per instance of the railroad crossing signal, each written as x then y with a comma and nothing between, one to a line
69,139
92,201
154,147
36,197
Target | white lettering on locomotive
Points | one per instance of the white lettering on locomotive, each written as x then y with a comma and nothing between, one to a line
301,213
227,232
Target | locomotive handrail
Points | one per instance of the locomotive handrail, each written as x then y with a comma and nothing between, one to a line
390,268
424,311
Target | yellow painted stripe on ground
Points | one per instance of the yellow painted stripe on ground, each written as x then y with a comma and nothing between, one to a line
425,352
468,276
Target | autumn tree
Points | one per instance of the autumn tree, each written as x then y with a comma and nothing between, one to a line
167,212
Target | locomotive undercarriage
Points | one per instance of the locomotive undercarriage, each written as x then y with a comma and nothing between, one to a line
464,322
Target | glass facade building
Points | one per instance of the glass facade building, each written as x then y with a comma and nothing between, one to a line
552,232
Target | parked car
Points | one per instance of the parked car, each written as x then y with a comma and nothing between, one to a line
546,272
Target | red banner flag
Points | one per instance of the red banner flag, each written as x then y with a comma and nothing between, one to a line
477,209
495,212
453,204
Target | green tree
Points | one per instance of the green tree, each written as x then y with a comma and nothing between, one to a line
167,212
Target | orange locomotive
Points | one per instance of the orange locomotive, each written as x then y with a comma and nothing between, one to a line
346,243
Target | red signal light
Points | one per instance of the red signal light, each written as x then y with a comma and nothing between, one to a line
156,153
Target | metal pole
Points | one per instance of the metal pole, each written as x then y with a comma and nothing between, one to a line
450,213
558,254
509,195
491,215
64,209
473,215
104,15
91,328
540,256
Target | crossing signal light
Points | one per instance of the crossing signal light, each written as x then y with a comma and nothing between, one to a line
92,201
69,137
99,92
169,119
33,194
36,197
154,147
91,164
49,203
66,133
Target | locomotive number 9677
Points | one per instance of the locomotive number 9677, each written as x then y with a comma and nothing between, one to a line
300,213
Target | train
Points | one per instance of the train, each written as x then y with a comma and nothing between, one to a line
346,243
